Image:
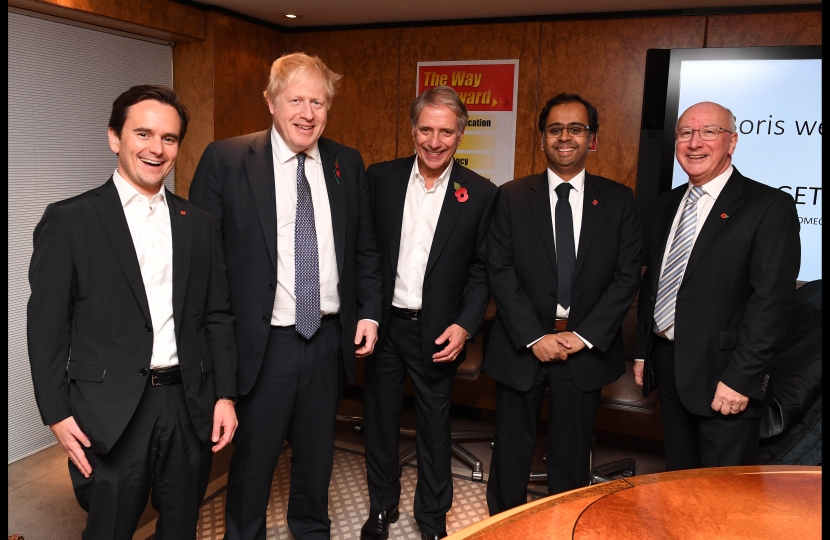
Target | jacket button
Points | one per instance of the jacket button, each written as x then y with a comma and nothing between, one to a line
143,372
550,323
271,286
265,319
148,327
553,294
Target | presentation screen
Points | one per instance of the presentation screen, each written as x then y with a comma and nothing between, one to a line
775,95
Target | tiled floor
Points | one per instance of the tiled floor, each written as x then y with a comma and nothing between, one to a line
42,505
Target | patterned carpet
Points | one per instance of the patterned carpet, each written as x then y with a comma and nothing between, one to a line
349,502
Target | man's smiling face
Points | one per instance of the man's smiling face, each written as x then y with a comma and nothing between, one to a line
705,160
148,145
299,111
566,154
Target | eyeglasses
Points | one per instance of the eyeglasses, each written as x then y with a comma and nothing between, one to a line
708,133
575,130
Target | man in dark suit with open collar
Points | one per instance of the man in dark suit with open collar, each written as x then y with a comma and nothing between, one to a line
563,259
130,333
716,297
305,284
431,215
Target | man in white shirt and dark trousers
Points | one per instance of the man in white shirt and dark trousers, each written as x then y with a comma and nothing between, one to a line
431,216
563,258
304,274
130,332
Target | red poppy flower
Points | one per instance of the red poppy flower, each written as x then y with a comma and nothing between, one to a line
183,212
461,194
596,202
724,216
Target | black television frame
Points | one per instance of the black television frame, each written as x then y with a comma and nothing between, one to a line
661,94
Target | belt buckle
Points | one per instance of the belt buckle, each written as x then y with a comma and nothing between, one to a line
153,378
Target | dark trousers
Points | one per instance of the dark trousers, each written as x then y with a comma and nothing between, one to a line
694,441
295,398
159,451
571,417
385,373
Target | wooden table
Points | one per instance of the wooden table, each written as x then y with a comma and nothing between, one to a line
759,502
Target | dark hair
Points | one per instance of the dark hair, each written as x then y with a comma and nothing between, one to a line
561,99
162,94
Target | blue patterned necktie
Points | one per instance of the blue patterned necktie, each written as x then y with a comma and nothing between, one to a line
681,247
306,264
565,249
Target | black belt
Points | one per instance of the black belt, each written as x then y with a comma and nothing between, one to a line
406,314
165,376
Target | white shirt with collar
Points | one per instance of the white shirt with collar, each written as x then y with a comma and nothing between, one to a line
711,191
285,180
422,207
576,196
149,223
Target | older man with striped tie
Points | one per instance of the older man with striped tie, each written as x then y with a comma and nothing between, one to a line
716,297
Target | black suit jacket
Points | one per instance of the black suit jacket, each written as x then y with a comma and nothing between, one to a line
736,297
88,321
455,281
235,182
521,258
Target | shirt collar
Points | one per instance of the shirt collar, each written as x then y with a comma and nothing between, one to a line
283,154
714,186
417,177
126,191
578,181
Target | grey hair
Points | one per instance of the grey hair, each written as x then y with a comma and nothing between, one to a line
440,96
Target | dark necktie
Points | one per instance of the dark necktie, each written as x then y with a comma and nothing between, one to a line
306,264
565,250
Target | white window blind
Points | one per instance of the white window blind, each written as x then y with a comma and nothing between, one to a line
62,82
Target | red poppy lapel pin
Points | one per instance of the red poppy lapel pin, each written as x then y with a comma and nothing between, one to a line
337,169
724,215
595,202
460,192
183,212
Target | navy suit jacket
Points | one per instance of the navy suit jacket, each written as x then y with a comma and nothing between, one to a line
235,182
521,259
455,282
89,328
736,296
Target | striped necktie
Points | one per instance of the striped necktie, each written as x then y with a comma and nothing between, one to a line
681,247
306,264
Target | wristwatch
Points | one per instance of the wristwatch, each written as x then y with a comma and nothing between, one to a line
233,399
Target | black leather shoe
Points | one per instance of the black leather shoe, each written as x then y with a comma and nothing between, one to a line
425,536
377,526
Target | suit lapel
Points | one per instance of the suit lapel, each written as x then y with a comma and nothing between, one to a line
397,201
539,199
450,210
181,229
111,213
259,168
337,199
590,217
727,203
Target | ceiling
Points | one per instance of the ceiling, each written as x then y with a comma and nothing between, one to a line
316,13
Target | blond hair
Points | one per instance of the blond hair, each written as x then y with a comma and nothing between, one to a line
290,66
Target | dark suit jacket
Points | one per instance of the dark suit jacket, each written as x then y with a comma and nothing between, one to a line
235,182
521,259
88,321
455,281
737,293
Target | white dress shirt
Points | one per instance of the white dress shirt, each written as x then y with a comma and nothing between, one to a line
576,196
149,223
711,190
422,208
285,180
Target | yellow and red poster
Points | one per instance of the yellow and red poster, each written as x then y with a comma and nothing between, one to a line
489,89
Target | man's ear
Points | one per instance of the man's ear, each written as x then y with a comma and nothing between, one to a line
115,142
